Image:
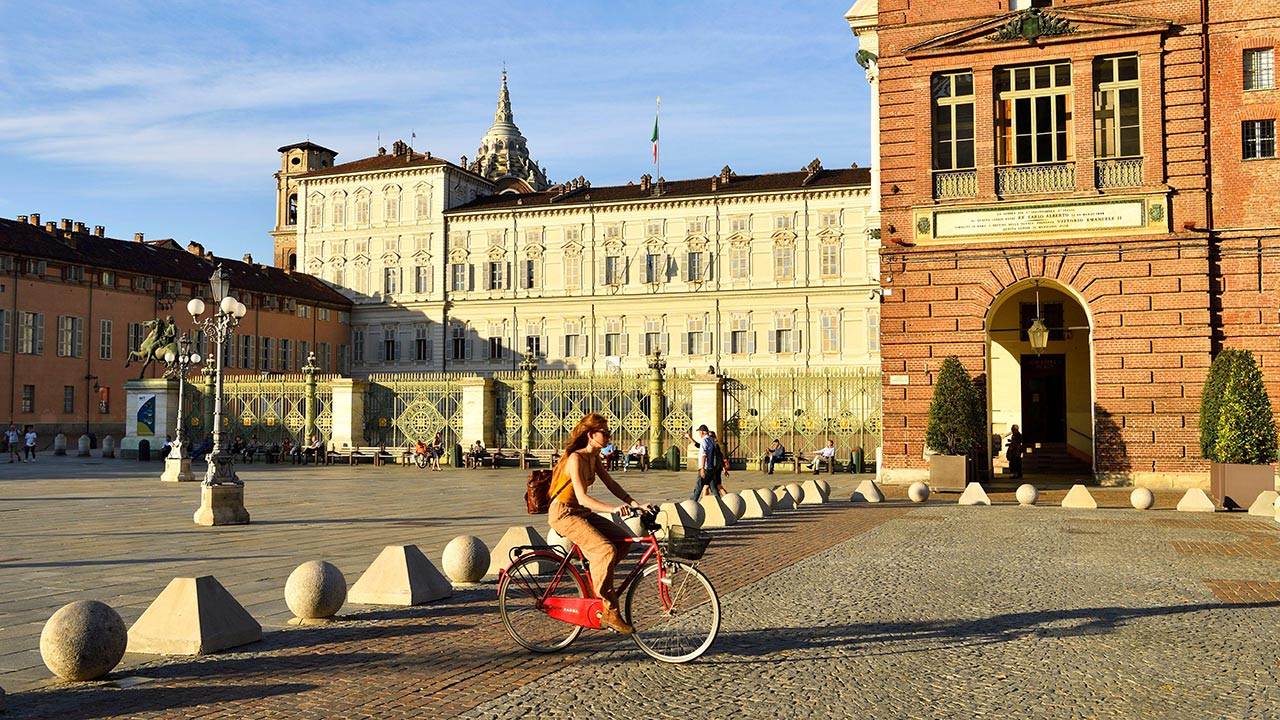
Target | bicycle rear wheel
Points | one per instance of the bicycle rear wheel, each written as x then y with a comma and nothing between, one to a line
676,620
520,602
420,461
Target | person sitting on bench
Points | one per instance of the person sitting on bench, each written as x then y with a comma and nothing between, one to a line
776,454
826,456
638,453
478,454
315,451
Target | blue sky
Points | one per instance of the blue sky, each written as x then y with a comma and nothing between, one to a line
164,117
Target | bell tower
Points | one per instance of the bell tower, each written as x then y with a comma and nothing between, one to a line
295,160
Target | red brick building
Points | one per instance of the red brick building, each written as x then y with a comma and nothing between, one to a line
1106,166
73,303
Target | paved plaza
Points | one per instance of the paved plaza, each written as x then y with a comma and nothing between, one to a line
841,610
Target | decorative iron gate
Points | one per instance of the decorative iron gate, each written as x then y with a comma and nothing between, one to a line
271,409
403,408
561,398
803,409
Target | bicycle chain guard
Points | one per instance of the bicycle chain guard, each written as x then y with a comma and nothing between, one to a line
576,611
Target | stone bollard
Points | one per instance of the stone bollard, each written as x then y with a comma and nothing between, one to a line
84,640
59,444
1142,498
108,447
315,591
918,492
466,558
82,446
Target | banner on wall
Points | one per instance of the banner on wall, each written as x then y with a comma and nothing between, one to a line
146,414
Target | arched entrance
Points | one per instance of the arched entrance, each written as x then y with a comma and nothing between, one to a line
1049,394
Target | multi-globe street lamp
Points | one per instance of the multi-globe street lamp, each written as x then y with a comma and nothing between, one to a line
222,497
177,466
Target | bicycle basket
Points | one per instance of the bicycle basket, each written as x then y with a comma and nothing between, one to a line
685,543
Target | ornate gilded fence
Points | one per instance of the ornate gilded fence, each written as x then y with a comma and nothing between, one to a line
273,408
402,408
561,398
803,409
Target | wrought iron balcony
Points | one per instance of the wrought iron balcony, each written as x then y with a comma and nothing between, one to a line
950,184
1118,172
1036,179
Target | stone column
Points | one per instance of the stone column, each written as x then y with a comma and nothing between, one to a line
309,403
478,414
348,412
526,406
708,403
657,406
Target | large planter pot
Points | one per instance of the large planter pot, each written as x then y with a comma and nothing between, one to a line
1237,485
948,472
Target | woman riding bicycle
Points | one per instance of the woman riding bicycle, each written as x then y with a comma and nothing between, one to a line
573,511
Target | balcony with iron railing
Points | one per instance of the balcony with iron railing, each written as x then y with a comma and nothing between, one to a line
954,184
1118,172
1036,179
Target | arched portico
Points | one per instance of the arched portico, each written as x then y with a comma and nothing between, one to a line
1049,394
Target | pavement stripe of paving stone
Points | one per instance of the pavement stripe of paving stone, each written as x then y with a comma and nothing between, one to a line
455,654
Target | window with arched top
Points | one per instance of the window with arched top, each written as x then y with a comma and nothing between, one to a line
291,214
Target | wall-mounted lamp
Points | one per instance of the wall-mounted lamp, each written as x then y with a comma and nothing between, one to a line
1038,334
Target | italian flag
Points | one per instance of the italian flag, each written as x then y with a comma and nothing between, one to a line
655,132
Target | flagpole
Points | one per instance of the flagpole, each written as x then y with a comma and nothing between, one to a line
657,162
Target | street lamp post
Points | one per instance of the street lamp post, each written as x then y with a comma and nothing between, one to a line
222,493
177,466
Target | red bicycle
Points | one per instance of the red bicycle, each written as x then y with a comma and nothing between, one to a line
545,600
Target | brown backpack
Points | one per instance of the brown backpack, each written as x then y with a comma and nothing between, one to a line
537,496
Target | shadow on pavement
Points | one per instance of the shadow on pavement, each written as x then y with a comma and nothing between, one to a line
104,700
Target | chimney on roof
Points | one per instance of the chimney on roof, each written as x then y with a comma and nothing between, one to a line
137,237
195,248
715,184
35,218
247,259
646,182
66,224
99,231
725,173
79,227
382,151
208,255
50,226
22,219
428,154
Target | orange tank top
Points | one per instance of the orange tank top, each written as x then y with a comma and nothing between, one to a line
562,484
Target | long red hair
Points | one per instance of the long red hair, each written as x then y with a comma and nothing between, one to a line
591,422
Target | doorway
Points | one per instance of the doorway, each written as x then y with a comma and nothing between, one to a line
1044,398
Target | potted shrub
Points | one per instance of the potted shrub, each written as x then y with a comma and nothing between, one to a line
1243,440
955,426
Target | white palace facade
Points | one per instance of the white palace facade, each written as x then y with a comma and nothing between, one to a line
468,266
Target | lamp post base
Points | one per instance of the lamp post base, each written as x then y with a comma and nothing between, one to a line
221,505
177,469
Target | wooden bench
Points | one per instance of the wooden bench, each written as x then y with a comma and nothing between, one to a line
378,455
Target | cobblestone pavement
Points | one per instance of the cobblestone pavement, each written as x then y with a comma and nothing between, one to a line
891,610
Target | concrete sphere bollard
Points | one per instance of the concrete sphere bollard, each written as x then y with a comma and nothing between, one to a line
83,640
315,589
769,497
60,444
108,447
1027,494
82,446
918,492
466,559
797,493
825,487
735,503
1142,498
695,511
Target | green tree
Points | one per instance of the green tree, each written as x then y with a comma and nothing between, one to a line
1211,400
1246,428
955,416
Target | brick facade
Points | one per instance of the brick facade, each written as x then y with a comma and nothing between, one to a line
1198,272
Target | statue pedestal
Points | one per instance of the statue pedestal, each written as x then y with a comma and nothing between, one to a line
177,469
222,505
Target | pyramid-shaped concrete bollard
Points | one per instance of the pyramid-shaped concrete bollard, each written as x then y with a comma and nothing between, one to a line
867,491
694,510
755,507
718,514
516,536
400,575
1078,498
735,503
813,493
193,616
1265,504
785,500
674,514
1195,500
973,495
768,497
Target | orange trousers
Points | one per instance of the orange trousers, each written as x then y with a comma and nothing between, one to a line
601,541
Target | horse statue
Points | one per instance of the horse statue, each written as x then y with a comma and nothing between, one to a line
163,338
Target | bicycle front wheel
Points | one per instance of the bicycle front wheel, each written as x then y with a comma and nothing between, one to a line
521,595
677,617
420,461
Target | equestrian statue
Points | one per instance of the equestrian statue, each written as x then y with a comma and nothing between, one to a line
162,339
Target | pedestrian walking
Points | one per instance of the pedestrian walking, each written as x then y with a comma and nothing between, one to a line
1013,451
29,441
15,443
